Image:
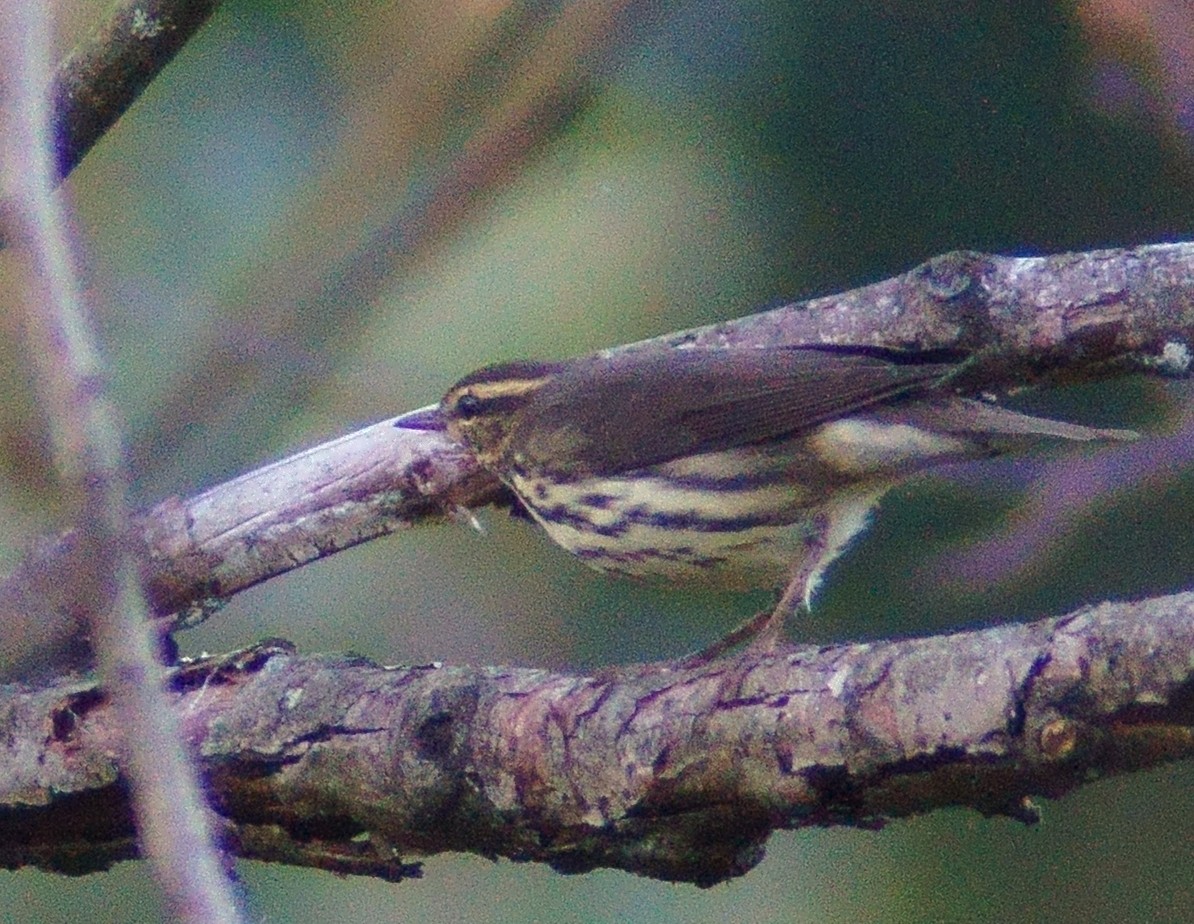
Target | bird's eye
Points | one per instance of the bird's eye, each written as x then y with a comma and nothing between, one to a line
469,406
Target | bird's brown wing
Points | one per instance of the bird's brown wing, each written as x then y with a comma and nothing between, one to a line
614,415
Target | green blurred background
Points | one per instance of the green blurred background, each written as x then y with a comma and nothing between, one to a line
322,214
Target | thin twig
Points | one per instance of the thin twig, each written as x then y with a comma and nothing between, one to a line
172,818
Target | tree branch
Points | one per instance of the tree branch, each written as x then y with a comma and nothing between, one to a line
100,79
676,774
104,75
171,818
666,771
1024,318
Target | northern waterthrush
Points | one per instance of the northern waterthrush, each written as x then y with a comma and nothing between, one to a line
739,465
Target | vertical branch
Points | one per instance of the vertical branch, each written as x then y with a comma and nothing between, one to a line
172,819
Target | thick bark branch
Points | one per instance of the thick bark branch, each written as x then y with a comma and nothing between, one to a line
675,774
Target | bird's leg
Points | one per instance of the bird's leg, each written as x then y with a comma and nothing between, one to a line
748,631
764,631
797,596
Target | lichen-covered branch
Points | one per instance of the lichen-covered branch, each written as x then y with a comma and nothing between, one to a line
104,75
668,772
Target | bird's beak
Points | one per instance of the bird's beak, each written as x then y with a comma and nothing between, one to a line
425,418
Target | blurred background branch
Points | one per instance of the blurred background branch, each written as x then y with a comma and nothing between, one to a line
108,607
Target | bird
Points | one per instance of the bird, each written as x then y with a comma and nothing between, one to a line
739,466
